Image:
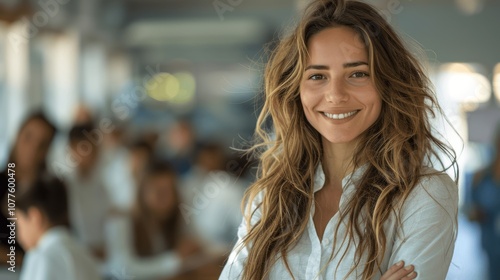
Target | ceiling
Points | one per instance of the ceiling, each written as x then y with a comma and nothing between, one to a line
233,30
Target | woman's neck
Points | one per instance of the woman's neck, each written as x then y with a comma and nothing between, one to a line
337,162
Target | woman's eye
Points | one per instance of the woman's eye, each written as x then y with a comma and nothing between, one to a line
316,77
359,75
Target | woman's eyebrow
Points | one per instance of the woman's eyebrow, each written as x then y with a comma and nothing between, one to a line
317,67
345,65
354,64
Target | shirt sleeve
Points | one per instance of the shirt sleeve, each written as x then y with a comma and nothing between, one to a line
236,261
124,262
427,235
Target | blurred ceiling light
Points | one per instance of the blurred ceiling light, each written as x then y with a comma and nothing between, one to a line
462,83
194,32
470,7
177,89
458,68
496,81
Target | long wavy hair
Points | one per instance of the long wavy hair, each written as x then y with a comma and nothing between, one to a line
394,149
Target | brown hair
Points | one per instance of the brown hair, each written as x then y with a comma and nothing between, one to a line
40,116
142,217
394,149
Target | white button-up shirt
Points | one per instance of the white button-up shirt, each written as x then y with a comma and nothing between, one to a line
89,205
425,239
57,256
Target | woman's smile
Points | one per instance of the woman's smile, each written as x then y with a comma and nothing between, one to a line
341,116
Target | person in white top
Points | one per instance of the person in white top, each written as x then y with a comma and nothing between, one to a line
89,202
349,186
52,253
147,243
211,198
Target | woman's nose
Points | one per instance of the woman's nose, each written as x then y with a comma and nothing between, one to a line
336,94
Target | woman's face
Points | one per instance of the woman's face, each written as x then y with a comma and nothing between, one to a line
336,91
160,195
32,145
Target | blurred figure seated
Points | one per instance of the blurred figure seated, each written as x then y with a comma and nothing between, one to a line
29,154
52,253
178,145
211,199
147,243
118,179
89,203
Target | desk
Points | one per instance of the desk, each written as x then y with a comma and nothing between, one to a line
209,271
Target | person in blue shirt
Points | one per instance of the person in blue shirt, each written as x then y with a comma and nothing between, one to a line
486,209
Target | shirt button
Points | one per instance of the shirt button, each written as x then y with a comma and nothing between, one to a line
326,241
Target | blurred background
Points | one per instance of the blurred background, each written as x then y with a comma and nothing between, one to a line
148,96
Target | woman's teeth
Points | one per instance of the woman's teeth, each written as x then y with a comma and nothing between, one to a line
340,116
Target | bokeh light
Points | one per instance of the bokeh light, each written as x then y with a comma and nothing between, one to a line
464,84
178,88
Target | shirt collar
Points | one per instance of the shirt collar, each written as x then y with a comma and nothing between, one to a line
319,177
52,235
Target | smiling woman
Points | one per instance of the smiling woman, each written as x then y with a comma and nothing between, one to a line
347,187
337,94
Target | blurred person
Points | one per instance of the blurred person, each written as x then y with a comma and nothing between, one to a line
486,208
151,137
29,154
31,146
348,187
140,154
148,243
89,202
61,159
180,145
83,115
118,178
52,253
211,198
124,169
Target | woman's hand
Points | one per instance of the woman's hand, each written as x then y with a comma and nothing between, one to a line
400,272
